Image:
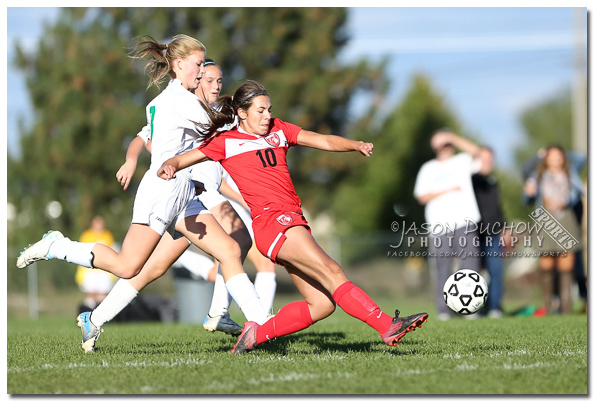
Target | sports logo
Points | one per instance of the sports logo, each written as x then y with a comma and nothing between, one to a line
273,140
284,219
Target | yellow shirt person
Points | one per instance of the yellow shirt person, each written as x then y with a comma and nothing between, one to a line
95,283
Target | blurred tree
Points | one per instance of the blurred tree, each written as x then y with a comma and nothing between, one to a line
511,193
89,98
401,147
547,123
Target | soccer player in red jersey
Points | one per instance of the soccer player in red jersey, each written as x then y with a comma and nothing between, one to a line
254,154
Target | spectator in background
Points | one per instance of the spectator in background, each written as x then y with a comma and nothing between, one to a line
444,186
487,194
95,283
556,186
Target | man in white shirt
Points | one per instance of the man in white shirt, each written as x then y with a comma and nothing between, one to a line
444,186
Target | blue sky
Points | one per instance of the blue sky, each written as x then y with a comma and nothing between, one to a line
490,64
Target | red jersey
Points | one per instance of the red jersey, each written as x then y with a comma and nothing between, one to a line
258,165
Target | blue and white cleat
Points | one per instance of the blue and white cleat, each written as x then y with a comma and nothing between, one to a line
90,331
38,251
222,323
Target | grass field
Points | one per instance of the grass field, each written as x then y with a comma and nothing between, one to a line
339,355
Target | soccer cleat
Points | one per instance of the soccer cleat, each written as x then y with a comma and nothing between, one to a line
90,331
247,340
38,251
222,323
400,326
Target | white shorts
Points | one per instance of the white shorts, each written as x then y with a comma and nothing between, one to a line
97,281
159,203
244,214
210,174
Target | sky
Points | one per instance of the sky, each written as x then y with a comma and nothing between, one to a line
490,64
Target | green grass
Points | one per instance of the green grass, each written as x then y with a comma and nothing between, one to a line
339,355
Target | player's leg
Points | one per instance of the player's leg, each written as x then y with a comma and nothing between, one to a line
300,251
155,206
265,282
233,226
218,318
126,290
139,243
293,317
206,233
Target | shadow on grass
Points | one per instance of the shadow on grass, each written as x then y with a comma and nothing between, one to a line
334,342
296,344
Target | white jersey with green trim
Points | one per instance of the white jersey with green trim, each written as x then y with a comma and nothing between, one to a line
171,120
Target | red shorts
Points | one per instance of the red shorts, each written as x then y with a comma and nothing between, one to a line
269,230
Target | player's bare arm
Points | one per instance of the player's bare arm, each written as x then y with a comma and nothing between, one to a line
230,193
333,143
126,171
169,168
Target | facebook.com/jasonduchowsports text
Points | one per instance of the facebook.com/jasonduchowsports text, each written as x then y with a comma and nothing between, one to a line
454,240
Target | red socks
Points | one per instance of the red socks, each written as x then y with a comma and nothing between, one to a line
358,304
296,316
293,317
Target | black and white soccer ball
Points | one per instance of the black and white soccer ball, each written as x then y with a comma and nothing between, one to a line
465,292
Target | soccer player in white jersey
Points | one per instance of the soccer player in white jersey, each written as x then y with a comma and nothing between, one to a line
172,116
254,154
209,178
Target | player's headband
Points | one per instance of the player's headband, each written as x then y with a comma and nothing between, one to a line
210,63
257,93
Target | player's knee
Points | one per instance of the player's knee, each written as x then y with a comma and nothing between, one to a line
156,271
130,270
128,273
332,268
231,251
235,251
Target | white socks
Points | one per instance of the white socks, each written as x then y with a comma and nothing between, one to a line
265,285
121,295
243,292
72,251
221,297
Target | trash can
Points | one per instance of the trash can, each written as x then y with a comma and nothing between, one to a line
193,295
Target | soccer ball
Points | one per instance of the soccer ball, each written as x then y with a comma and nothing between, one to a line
465,292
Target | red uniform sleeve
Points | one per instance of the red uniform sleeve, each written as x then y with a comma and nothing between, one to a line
290,130
214,149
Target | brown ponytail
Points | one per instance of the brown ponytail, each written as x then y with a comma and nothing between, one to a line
228,107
